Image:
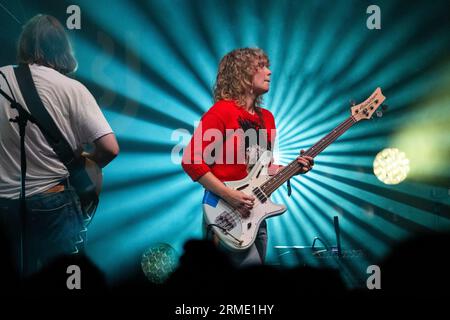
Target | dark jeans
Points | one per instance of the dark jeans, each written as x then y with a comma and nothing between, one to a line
53,226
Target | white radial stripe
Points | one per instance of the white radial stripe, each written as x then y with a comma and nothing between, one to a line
289,235
140,162
200,58
363,161
143,196
132,127
366,237
134,209
218,24
364,240
125,245
305,134
359,213
302,140
418,190
150,44
109,73
367,144
421,217
133,174
300,221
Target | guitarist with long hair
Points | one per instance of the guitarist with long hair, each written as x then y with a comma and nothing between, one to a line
53,222
222,148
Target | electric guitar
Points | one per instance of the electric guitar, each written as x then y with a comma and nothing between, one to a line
87,181
238,232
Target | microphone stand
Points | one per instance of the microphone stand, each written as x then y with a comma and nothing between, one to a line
21,119
334,249
337,231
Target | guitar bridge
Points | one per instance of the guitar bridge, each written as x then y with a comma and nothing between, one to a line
226,220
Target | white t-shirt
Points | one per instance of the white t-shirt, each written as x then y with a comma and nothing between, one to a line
75,112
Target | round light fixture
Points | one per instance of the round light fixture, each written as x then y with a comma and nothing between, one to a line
391,166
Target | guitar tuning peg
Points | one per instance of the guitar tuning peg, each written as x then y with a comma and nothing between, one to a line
352,102
379,113
384,107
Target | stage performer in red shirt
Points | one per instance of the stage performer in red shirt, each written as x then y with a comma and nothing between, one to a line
231,136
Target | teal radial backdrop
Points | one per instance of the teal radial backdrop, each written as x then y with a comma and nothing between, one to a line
152,64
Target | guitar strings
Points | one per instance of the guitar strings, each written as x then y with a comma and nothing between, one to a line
290,169
293,167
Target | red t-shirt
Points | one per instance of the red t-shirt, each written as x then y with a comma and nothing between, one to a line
227,140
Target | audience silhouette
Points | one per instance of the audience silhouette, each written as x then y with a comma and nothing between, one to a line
416,267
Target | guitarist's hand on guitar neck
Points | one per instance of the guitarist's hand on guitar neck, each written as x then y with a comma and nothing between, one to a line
306,163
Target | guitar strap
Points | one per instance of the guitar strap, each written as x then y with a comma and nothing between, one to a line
45,122
289,187
258,111
78,175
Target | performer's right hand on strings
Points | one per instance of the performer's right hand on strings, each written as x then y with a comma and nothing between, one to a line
241,201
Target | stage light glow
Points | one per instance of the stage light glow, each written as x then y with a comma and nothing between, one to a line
419,217
356,214
391,166
426,136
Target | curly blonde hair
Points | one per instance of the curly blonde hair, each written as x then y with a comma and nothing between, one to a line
235,75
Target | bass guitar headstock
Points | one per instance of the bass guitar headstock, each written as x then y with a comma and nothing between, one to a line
366,109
